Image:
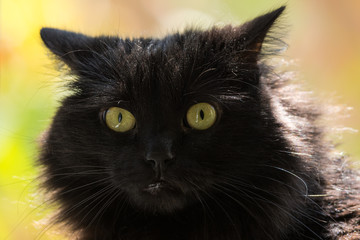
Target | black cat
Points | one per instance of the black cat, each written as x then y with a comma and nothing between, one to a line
187,137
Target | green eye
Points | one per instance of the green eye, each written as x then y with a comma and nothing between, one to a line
119,119
201,116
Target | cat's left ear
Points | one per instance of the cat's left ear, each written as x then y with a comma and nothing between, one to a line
75,48
253,33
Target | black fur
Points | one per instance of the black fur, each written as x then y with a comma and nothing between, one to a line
253,175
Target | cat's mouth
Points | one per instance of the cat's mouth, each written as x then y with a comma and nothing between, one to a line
157,187
161,196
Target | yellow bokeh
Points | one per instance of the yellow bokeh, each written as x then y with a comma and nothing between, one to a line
326,39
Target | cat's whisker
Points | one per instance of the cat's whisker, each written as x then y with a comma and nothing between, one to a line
306,190
97,218
216,201
221,189
85,202
294,175
99,205
242,183
81,173
55,221
234,178
99,182
254,196
84,166
23,218
61,178
203,203
290,214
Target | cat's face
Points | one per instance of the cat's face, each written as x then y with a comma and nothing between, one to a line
161,123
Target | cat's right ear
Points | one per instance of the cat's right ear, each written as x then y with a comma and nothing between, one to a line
74,48
255,31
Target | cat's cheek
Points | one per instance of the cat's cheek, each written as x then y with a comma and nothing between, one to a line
129,171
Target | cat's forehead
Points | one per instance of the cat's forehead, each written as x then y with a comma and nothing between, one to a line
175,66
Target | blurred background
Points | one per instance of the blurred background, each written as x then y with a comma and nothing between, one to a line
323,37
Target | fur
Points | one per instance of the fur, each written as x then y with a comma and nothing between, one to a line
262,171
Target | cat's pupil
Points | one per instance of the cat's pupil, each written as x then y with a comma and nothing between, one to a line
202,114
120,117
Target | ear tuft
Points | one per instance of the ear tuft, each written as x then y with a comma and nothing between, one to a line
61,42
75,49
257,29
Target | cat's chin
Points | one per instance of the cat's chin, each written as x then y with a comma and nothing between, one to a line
160,198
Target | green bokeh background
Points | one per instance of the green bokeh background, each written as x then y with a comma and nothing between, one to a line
324,35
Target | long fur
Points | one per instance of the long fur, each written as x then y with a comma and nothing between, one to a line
261,172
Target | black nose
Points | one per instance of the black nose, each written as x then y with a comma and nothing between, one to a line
159,160
159,151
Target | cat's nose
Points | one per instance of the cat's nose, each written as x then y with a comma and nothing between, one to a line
159,151
159,160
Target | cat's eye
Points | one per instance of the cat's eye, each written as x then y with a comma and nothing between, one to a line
201,116
119,119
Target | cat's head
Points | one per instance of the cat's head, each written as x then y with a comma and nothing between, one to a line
160,123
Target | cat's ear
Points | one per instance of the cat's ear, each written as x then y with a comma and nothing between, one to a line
74,48
253,33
